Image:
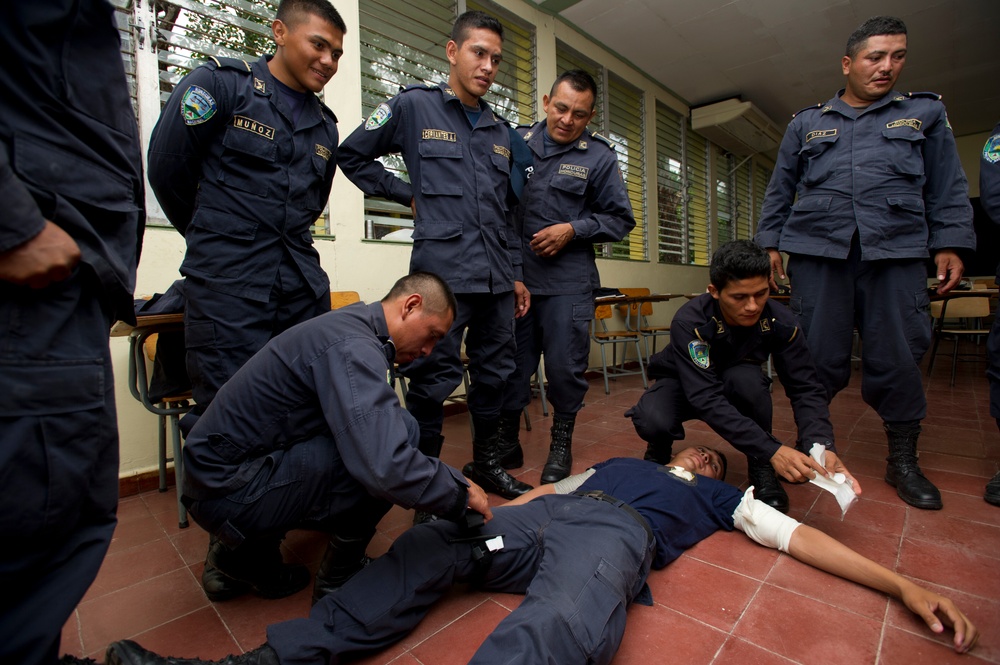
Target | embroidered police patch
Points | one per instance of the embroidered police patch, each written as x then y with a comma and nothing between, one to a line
574,170
379,117
197,106
323,152
820,133
258,85
991,151
254,127
501,150
438,135
904,122
698,350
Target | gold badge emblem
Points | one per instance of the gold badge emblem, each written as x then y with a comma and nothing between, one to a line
258,85
500,150
323,152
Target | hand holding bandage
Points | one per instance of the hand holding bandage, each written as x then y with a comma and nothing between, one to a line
839,485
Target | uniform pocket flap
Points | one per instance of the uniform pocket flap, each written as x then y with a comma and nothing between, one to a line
439,188
41,388
441,149
571,184
813,203
436,230
911,203
249,143
224,224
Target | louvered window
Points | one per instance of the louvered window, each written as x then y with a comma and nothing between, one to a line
696,169
761,176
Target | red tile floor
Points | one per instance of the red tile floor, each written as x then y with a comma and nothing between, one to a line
725,601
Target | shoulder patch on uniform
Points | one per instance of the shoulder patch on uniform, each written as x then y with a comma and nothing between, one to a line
197,106
924,95
378,117
231,63
991,151
808,108
699,350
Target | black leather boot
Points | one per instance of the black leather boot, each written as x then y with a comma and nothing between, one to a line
254,566
345,556
902,471
486,469
992,494
128,652
765,483
560,460
660,452
509,430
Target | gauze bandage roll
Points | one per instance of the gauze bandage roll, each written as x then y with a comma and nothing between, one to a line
839,486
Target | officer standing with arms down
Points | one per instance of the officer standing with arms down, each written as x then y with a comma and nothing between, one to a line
989,199
309,433
711,371
71,185
879,186
574,197
458,155
242,160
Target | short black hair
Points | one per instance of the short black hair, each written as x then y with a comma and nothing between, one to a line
472,20
438,296
736,260
290,11
579,80
876,25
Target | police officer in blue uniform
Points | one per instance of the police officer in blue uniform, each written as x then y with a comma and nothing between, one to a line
580,550
241,161
711,371
574,197
71,185
459,157
309,433
865,187
989,199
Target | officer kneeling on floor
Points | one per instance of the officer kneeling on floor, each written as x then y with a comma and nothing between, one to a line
309,433
711,371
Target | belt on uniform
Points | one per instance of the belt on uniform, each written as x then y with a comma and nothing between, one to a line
618,503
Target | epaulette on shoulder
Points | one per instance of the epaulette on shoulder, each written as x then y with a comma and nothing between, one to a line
230,63
417,86
808,108
529,126
603,139
923,95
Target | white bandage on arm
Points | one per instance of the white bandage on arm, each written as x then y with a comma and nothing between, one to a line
762,523
572,483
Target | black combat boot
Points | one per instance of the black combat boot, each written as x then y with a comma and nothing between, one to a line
560,460
345,556
660,451
765,483
128,652
992,494
254,566
430,446
902,471
486,470
509,430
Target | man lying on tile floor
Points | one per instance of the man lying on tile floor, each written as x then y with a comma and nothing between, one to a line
580,551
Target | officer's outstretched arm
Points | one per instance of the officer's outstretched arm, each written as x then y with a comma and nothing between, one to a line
814,547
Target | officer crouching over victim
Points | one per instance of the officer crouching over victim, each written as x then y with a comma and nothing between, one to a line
309,433
580,550
711,371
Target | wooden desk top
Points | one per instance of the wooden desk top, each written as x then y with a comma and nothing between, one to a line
122,329
627,300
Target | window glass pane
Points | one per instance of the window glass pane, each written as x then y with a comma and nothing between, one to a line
761,176
696,169
742,205
625,130
723,196
672,238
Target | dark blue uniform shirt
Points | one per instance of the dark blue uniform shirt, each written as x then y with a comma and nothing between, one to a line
240,180
989,179
327,377
702,346
680,512
889,172
579,183
459,180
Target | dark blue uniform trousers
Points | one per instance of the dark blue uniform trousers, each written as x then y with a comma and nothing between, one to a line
58,458
559,326
222,332
660,413
993,368
305,486
888,302
578,561
489,345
